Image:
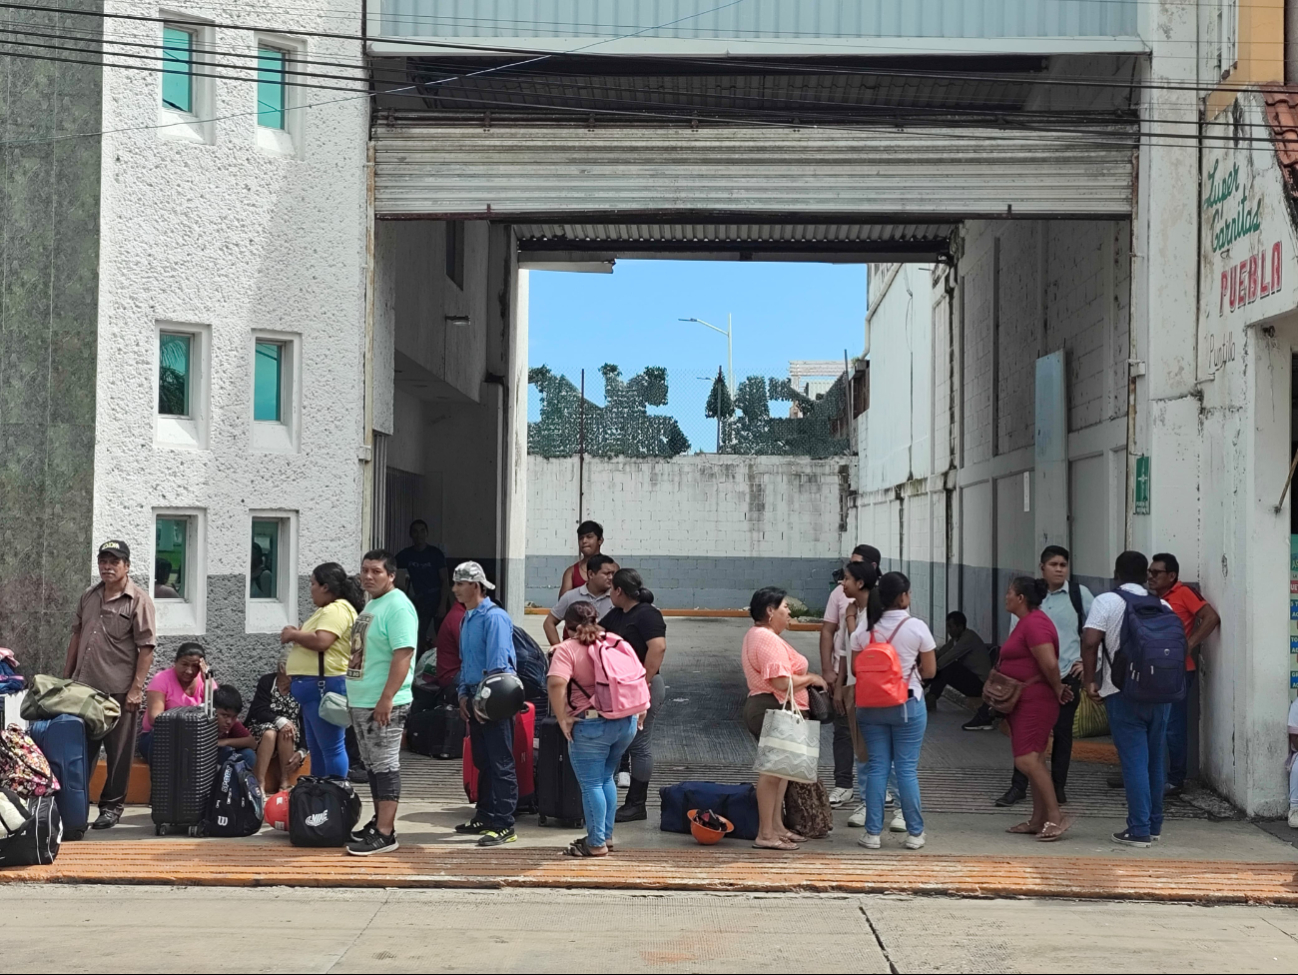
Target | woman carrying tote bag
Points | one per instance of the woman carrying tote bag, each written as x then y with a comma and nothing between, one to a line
771,668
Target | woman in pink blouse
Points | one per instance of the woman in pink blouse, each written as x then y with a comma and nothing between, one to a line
769,664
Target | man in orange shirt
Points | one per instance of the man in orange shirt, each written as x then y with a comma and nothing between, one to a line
1199,620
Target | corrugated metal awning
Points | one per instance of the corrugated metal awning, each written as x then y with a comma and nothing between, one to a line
775,174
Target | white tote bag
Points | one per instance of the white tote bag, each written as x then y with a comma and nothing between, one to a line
790,744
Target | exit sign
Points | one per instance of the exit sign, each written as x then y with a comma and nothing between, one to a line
1142,485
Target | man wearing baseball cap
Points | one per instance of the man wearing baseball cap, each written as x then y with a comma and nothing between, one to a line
111,649
486,647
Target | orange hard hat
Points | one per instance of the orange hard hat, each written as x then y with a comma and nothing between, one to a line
707,835
276,814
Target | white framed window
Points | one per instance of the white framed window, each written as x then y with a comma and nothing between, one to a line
179,574
186,96
270,590
278,100
276,398
183,391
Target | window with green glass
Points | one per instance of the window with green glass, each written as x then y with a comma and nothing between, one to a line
170,552
264,571
174,381
178,69
268,383
271,62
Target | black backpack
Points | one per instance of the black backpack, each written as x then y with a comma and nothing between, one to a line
237,805
322,811
531,665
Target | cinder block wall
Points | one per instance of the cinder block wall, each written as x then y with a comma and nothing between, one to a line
704,530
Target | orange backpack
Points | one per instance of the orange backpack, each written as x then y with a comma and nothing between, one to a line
880,682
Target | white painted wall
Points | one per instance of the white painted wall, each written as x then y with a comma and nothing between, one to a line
232,236
691,506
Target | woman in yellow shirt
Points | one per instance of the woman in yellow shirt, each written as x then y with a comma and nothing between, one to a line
318,658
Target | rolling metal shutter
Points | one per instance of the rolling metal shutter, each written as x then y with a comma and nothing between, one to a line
520,172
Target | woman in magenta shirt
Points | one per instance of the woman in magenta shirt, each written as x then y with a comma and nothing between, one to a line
180,685
1031,655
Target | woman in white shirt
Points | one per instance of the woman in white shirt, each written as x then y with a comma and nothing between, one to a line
894,734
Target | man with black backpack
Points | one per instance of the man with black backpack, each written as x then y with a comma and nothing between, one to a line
1066,603
1133,659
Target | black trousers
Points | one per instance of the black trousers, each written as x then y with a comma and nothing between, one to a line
958,676
119,751
844,756
493,755
1061,753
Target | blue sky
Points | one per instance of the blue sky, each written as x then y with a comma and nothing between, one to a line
629,317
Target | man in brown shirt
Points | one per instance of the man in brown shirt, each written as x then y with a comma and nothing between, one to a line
113,636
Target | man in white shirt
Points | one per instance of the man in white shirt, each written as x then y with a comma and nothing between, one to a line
1139,730
1067,604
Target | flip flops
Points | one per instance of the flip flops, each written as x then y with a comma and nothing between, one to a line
1053,831
581,849
1024,827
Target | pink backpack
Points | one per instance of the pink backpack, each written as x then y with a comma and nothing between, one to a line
620,688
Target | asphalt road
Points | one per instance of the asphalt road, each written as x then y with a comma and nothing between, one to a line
194,929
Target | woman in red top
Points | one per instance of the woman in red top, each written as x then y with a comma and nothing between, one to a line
1031,655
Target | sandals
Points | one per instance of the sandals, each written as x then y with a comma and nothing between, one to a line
781,845
581,849
791,837
1052,831
1024,827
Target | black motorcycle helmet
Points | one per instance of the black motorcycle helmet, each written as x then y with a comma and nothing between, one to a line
499,696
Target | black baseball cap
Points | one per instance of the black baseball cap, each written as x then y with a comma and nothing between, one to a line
116,548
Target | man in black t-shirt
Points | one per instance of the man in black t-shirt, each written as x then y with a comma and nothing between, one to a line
636,621
423,575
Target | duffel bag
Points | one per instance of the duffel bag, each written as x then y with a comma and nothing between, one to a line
322,811
738,803
51,696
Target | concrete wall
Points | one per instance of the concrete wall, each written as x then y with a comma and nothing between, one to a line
49,295
703,530
216,227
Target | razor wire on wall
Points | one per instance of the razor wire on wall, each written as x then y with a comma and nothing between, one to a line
654,415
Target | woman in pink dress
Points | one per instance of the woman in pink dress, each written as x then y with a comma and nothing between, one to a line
1031,655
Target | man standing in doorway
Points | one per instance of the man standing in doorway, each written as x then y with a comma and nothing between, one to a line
1139,729
425,580
378,693
1067,603
597,590
1199,620
113,637
487,647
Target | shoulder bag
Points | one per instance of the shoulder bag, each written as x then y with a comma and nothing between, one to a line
333,706
789,747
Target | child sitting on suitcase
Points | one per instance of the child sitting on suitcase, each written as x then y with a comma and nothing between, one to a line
232,738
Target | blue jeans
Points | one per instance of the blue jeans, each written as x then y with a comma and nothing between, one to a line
247,754
324,741
1139,734
1178,734
894,736
596,749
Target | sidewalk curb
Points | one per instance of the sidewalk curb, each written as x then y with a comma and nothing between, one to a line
236,864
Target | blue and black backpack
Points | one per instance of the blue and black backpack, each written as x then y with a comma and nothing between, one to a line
1149,666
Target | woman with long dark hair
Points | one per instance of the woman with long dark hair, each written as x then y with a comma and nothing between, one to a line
318,658
1031,654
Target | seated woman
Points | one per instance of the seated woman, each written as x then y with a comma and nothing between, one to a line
275,719
180,685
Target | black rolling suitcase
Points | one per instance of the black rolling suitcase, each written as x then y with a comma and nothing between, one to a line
438,732
558,796
183,767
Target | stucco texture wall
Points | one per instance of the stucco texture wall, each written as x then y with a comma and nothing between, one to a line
703,530
233,237
49,285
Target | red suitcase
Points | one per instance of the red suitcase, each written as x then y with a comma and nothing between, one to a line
524,729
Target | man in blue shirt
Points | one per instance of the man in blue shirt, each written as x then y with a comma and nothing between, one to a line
486,647
1067,603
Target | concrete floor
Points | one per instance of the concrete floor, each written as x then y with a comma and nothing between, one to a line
112,929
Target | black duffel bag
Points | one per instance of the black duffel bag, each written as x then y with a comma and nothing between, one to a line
322,811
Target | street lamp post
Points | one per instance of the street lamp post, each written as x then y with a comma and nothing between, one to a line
730,350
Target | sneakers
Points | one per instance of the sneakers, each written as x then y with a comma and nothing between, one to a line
623,780
1169,789
979,722
358,774
1012,796
370,827
839,796
498,837
871,841
373,842
857,818
1293,817
474,827
914,842
1126,839
898,824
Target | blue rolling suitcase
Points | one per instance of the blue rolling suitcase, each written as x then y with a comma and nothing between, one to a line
63,741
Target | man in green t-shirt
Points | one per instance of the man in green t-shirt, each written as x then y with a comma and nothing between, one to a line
378,692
